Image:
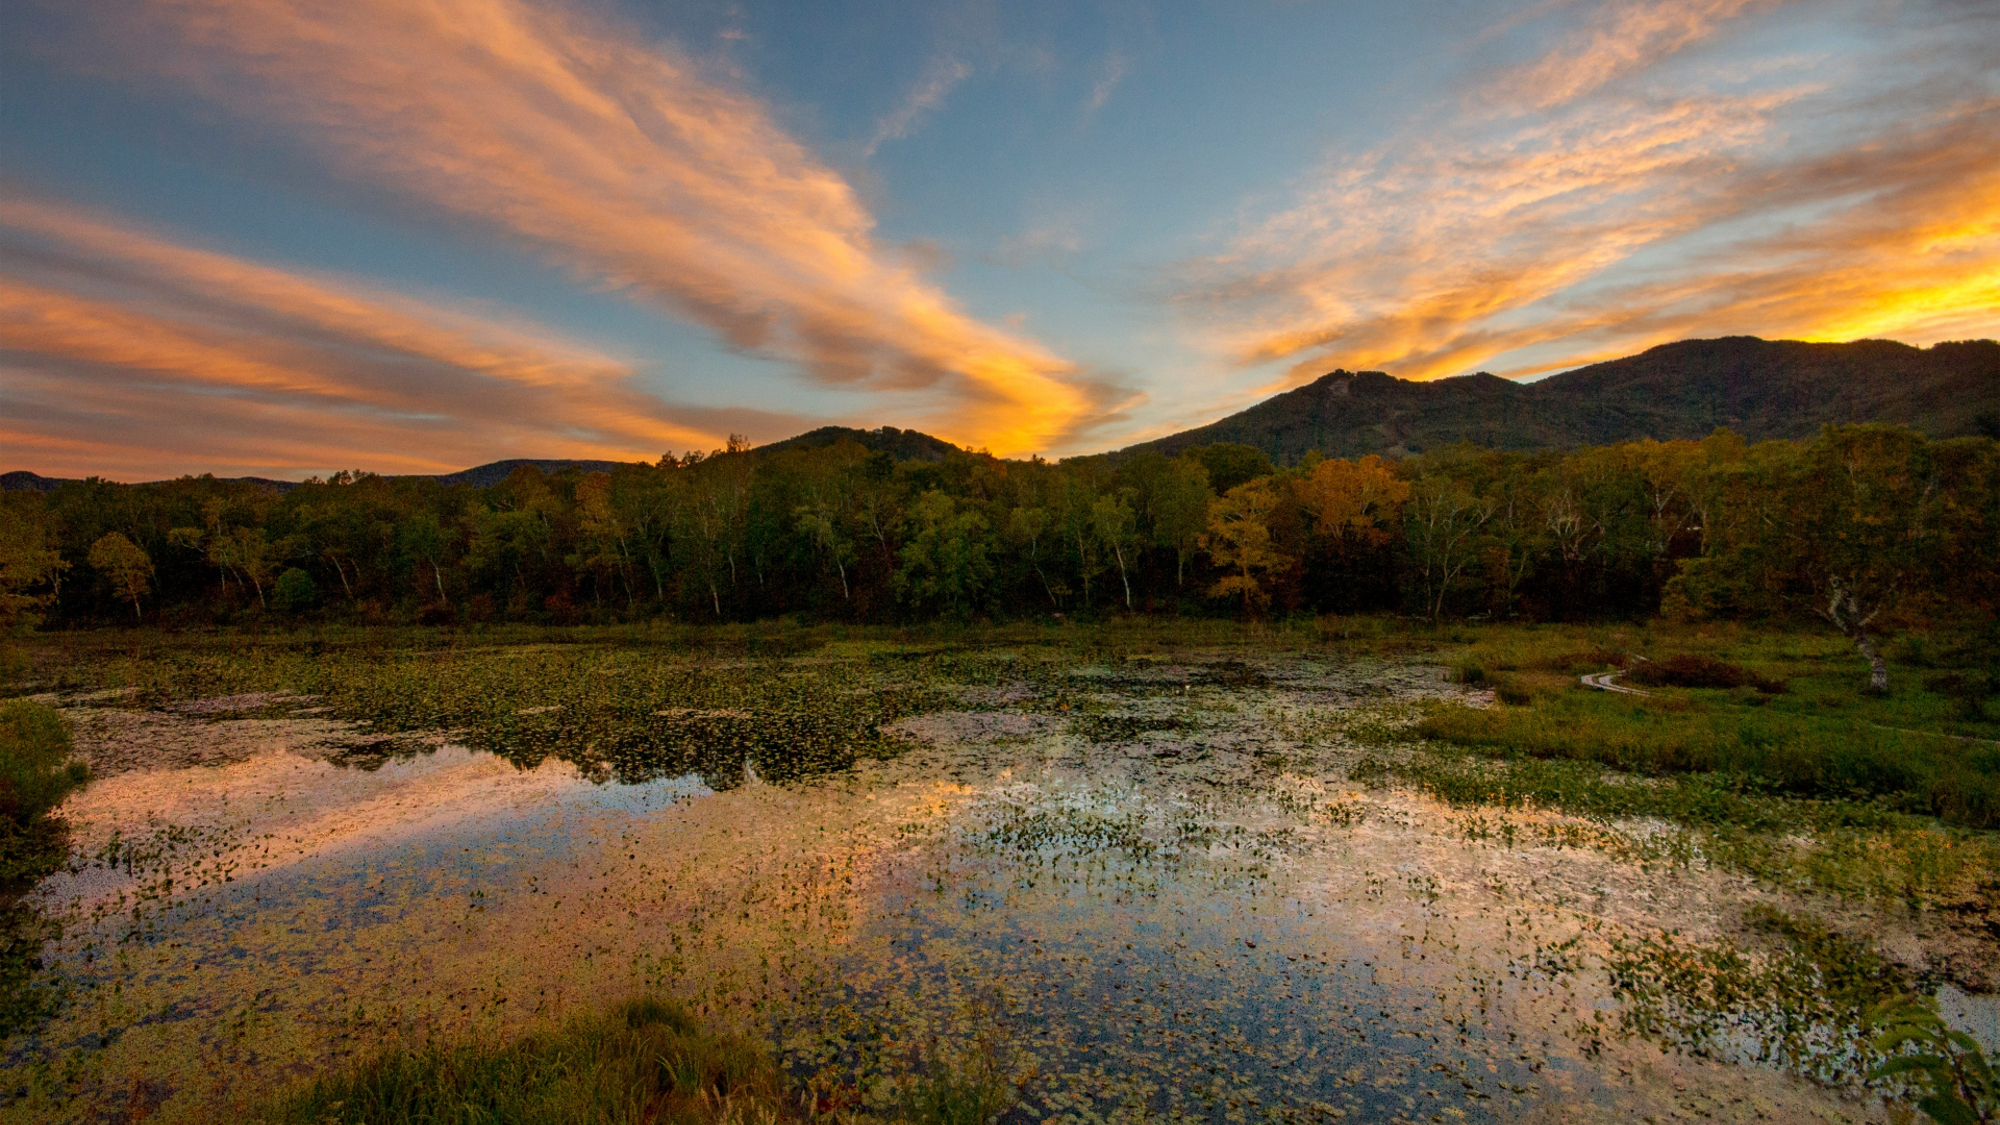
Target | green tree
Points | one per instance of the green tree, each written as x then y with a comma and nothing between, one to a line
1868,505
1115,528
29,561
125,566
818,522
1173,500
945,562
295,590
1027,533
423,540
1075,504
601,537
1443,520
1229,464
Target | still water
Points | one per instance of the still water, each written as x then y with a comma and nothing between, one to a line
1152,892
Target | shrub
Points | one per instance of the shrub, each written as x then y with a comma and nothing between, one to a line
295,591
14,665
1595,660
36,772
1468,673
1965,695
1687,670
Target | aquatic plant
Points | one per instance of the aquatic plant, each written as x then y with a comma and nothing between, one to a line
1802,1003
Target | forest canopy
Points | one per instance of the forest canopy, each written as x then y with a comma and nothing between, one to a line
1863,527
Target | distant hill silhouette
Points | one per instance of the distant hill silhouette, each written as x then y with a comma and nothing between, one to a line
1761,389
492,473
904,445
22,481
479,476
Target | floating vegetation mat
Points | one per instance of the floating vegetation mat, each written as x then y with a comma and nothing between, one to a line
1152,887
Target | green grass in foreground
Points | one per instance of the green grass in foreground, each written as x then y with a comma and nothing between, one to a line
644,1061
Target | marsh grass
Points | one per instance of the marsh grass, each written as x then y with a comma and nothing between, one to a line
1771,712
973,1084
646,1060
1825,757
1854,849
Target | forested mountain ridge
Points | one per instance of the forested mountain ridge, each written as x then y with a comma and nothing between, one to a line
1759,389
479,476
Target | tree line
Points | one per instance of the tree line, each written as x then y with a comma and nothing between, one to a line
1861,526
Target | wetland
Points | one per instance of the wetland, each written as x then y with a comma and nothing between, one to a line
1221,874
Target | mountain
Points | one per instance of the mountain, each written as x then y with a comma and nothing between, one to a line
488,475
904,445
1761,389
479,476
23,481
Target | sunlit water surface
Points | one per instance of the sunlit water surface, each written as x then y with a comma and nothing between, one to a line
1177,909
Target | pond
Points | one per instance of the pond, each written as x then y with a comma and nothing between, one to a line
1148,886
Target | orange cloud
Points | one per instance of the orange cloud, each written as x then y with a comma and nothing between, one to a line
1620,39
129,353
1747,197
619,160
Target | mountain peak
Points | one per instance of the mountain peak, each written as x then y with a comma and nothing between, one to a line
1760,388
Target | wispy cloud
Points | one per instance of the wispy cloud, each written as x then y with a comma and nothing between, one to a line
620,160
1116,68
941,76
1620,38
123,352
1719,196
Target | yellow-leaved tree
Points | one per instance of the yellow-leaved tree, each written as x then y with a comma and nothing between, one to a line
1239,540
1353,501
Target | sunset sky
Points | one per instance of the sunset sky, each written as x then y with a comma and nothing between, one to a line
282,237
